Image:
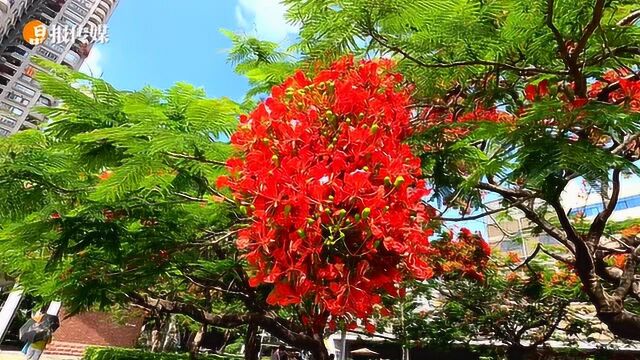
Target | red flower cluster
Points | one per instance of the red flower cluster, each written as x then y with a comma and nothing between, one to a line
462,122
332,192
467,255
628,92
532,92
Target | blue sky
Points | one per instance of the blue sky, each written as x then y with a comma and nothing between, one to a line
160,42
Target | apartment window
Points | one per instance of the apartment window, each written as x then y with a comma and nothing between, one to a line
72,58
13,109
77,9
593,210
13,96
23,89
68,21
56,47
4,132
8,121
26,78
19,51
44,101
46,53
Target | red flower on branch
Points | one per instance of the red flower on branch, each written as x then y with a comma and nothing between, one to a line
466,255
333,194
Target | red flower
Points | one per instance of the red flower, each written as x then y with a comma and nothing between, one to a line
578,103
530,92
335,195
543,88
467,255
370,328
627,93
105,175
514,258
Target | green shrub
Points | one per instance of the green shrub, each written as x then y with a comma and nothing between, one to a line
98,353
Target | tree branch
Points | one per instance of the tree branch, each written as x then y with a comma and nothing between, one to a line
621,50
215,287
517,193
629,19
565,223
598,11
563,259
556,33
530,70
552,327
626,143
200,159
600,222
529,258
628,275
268,323
479,216
511,195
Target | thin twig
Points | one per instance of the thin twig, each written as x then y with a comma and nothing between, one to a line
598,11
199,159
529,258
626,143
531,70
478,216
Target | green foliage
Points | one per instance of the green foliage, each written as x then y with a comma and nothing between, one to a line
95,353
481,49
114,195
261,62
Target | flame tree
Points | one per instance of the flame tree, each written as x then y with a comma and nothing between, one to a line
515,99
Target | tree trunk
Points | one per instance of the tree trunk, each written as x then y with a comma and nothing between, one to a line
194,346
621,323
252,343
225,341
319,352
516,353
155,335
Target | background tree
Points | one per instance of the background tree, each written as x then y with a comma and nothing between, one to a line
519,305
513,99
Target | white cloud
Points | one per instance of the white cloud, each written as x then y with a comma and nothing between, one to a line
92,64
265,19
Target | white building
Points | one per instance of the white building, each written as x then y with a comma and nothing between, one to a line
19,92
512,232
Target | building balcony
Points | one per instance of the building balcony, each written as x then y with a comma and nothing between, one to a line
104,7
36,118
94,19
28,125
109,2
102,15
4,132
5,5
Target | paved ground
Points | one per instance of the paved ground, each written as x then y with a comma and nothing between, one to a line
17,355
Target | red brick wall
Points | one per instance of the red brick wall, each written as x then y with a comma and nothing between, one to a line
99,328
